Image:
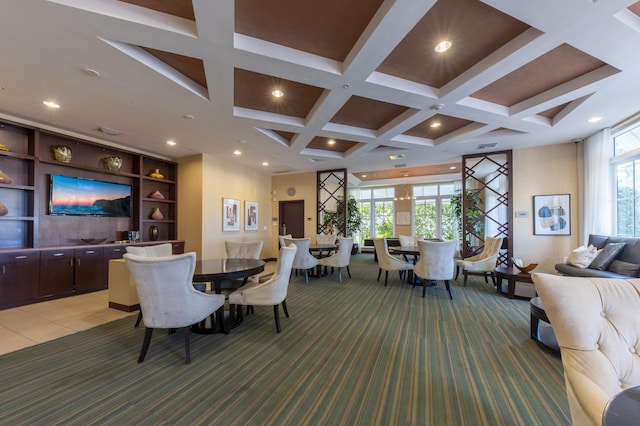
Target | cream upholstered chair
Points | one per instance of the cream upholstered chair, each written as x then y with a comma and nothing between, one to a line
271,292
407,240
341,258
303,260
167,296
597,324
483,263
281,239
241,250
326,238
159,250
387,263
436,263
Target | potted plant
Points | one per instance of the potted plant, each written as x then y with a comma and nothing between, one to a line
336,220
474,215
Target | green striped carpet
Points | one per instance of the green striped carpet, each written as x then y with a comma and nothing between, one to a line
355,353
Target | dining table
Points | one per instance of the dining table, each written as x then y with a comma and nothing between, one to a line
320,251
234,273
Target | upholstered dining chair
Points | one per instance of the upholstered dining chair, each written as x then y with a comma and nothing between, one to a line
303,260
326,238
339,259
167,296
281,239
597,325
483,263
407,240
159,250
244,250
271,292
387,263
436,263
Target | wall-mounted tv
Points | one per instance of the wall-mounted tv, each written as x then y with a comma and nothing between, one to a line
86,197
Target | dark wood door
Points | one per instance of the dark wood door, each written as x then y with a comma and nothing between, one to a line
89,269
56,272
291,218
19,277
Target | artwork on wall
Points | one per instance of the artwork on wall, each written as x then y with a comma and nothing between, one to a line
230,214
552,214
250,216
403,218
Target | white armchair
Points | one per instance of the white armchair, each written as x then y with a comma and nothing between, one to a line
326,238
387,263
597,324
167,296
241,250
340,259
407,240
271,292
483,263
436,263
303,260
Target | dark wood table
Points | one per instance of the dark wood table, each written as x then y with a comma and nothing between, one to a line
216,271
623,408
512,275
322,249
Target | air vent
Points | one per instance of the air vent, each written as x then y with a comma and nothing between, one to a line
400,165
108,131
487,145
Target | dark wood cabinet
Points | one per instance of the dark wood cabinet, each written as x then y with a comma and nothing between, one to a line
56,272
89,269
19,277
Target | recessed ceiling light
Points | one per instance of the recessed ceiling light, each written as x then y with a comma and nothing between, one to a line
277,93
188,117
396,156
364,176
237,152
331,141
51,104
264,163
443,46
171,143
594,119
452,168
435,124
91,72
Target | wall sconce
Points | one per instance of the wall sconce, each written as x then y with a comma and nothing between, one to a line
273,196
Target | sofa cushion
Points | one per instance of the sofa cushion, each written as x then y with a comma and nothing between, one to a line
599,241
624,268
574,271
607,255
582,256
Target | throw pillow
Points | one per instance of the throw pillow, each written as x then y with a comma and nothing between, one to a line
624,268
582,256
606,256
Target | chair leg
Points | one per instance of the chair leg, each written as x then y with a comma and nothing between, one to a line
277,316
148,332
339,274
284,308
457,272
306,276
424,286
379,272
386,277
348,271
187,345
139,318
493,278
464,283
446,284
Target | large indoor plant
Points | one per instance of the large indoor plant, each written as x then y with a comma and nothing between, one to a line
336,220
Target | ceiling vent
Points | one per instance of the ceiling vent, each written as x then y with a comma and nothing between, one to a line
400,165
108,131
487,145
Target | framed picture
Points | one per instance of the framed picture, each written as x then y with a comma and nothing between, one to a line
250,216
230,214
552,214
403,218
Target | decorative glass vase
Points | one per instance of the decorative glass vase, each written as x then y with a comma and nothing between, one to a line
156,174
156,214
3,209
4,178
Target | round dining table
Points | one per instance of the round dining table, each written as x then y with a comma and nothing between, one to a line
234,272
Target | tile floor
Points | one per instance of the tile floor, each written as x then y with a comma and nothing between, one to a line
40,322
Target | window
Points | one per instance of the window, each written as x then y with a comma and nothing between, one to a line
433,213
376,206
627,180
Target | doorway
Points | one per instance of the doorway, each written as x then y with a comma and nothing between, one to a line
291,214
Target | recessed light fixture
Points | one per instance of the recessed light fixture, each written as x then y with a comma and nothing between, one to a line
594,119
108,131
396,156
91,72
443,46
435,124
452,168
171,143
264,163
237,152
331,141
188,116
51,104
277,93
364,176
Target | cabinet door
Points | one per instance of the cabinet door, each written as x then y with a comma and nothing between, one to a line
56,272
89,269
18,277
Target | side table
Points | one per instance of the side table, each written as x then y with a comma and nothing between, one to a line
512,275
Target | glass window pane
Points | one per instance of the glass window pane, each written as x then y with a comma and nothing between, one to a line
447,189
383,219
627,141
426,219
625,217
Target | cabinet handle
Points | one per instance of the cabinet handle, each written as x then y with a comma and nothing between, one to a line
3,270
77,262
118,250
58,254
90,251
20,257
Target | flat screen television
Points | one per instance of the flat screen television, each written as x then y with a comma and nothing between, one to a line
77,196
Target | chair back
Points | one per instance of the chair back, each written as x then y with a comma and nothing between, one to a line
436,260
281,239
382,251
326,239
406,240
159,250
343,256
167,296
597,325
491,248
303,259
239,250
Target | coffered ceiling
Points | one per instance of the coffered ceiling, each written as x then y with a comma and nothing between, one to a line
360,80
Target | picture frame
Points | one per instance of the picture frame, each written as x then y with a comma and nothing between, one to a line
403,218
230,214
250,216
552,214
